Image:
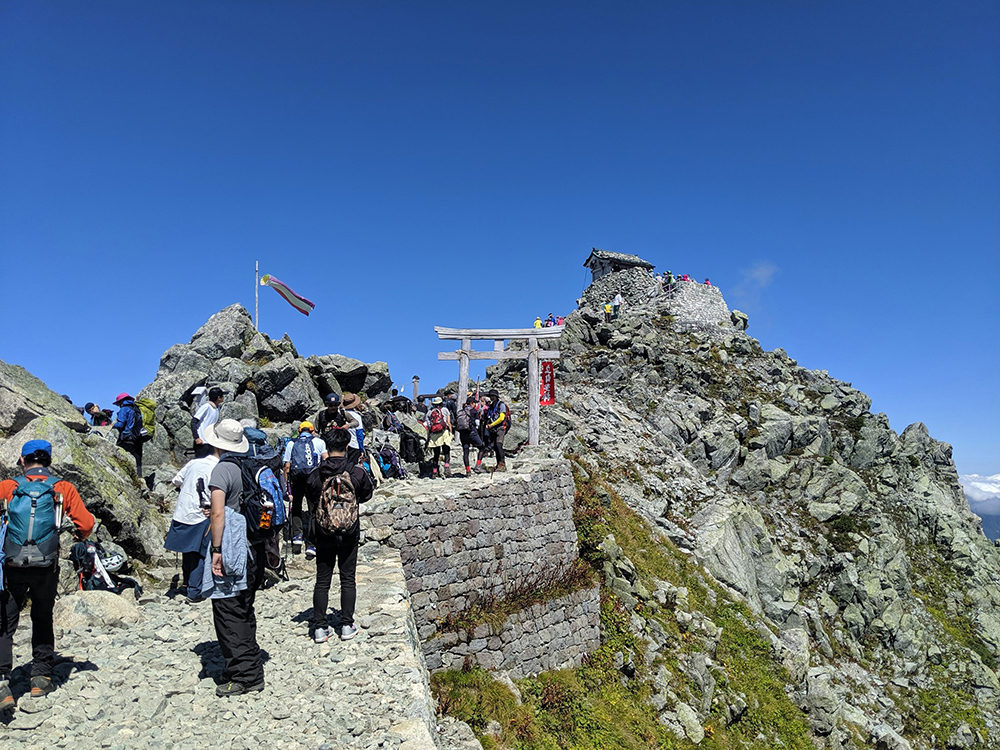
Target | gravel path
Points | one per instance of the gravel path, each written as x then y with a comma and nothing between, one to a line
150,684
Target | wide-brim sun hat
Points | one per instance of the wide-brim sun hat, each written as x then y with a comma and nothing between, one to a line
493,393
351,400
121,397
437,401
227,435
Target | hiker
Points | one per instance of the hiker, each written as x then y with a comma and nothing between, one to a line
421,406
616,304
338,478
129,424
206,415
560,320
36,501
98,417
439,434
233,606
607,312
497,419
550,321
708,283
668,281
302,455
352,408
467,425
190,521
451,404
538,322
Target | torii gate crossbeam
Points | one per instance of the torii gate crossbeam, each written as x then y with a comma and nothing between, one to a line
499,335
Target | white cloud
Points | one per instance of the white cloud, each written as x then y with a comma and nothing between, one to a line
753,280
983,493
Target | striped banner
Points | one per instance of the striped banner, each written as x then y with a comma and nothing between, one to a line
299,302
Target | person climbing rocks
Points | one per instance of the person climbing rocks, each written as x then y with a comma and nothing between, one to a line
205,417
98,417
340,550
439,435
35,501
467,425
616,305
352,408
190,521
235,619
128,424
497,423
608,310
302,456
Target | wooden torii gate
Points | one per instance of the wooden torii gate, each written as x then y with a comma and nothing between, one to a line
499,335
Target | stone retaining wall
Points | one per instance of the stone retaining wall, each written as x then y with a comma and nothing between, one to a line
461,538
553,635
697,307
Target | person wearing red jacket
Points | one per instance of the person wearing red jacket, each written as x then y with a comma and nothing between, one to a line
37,582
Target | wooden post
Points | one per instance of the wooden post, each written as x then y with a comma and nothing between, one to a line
416,389
463,374
534,389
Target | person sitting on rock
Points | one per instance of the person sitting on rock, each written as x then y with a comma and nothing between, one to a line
205,417
32,570
98,417
336,549
439,434
302,456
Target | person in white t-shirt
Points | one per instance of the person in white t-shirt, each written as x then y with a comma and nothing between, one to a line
190,521
616,305
352,408
205,417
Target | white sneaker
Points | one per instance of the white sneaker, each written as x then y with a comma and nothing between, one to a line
321,635
347,632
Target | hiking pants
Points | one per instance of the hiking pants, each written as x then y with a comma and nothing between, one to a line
189,561
134,450
496,440
470,438
40,585
342,551
299,484
236,625
437,454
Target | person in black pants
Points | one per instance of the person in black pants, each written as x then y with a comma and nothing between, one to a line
339,550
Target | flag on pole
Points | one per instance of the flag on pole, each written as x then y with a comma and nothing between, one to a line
299,302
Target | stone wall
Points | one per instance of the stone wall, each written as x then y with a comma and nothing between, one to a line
553,635
462,538
635,284
697,307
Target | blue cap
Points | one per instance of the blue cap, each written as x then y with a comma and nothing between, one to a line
36,445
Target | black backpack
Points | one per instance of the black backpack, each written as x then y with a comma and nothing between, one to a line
262,503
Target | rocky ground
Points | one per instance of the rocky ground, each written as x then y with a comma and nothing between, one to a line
142,674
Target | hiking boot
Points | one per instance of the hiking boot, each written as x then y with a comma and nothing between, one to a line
6,697
238,688
41,686
501,467
321,635
479,469
347,632
297,544
310,552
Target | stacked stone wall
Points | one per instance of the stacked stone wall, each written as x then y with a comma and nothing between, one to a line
461,540
697,307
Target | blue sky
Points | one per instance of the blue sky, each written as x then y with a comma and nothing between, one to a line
833,167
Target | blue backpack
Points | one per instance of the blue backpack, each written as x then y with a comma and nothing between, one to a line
304,458
31,539
262,502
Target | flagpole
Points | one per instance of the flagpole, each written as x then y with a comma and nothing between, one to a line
256,294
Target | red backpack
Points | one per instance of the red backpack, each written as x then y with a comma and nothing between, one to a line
435,421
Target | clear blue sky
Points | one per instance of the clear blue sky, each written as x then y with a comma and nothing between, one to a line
834,167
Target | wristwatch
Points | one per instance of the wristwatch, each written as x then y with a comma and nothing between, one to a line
213,549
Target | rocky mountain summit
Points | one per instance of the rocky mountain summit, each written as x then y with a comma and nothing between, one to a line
852,546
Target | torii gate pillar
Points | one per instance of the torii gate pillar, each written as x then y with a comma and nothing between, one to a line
533,354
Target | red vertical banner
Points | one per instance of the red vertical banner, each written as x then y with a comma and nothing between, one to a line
547,395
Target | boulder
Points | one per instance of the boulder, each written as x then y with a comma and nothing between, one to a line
335,373
23,397
226,334
285,392
94,609
105,477
740,320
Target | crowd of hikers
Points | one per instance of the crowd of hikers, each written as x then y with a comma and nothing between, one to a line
550,321
242,504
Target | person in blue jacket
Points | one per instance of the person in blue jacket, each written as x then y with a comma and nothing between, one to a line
128,424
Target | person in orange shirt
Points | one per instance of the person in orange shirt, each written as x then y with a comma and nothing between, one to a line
34,502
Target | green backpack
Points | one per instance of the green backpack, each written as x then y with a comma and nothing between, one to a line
147,410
